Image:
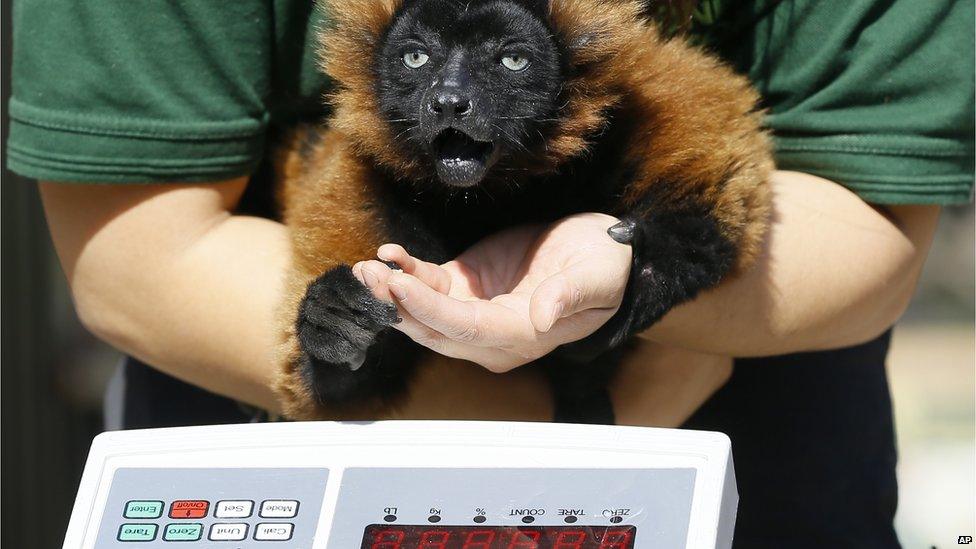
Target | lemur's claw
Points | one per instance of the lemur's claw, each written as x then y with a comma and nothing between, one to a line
623,232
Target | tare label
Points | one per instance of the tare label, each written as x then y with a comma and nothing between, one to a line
570,512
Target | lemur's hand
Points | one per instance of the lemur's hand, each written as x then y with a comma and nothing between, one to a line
513,297
339,319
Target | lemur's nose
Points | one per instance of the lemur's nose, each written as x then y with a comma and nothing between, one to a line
450,105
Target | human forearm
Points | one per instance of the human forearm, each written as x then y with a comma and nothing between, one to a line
835,271
166,274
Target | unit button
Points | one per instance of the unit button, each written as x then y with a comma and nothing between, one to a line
137,532
273,531
143,509
228,532
188,508
279,508
234,508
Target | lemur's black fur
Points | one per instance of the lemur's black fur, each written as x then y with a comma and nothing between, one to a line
436,207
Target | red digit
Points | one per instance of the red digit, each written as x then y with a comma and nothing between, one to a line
479,539
434,539
525,539
616,539
570,540
388,539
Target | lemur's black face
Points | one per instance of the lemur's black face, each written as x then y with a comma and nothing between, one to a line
468,84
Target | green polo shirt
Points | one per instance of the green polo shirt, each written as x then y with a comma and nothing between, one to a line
876,95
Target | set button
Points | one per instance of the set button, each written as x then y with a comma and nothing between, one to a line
188,508
234,508
228,532
279,508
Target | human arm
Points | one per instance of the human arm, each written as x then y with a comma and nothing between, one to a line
850,269
835,271
169,275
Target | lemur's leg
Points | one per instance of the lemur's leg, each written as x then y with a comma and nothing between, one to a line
678,250
580,388
340,359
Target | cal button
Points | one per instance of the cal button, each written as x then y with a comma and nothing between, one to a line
279,508
137,532
273,531
188,508
236,508
141,509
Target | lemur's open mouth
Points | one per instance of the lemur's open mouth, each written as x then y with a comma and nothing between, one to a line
461,160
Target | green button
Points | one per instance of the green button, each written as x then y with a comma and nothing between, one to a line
140,509
183,532
137,532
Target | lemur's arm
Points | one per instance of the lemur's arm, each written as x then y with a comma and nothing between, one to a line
338,357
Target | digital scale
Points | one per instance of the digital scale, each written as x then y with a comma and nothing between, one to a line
406,485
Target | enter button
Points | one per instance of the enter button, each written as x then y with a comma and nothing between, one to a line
273,531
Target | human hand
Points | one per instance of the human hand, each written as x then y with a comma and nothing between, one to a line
511,298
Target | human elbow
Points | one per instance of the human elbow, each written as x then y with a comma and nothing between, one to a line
101,305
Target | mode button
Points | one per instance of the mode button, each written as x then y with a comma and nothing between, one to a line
279,508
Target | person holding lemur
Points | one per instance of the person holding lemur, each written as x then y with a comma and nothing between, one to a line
871,111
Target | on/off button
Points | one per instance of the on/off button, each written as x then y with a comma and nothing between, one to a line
188,508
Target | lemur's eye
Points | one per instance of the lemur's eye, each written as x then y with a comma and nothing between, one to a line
515,62
415,59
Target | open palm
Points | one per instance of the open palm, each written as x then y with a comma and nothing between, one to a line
512,297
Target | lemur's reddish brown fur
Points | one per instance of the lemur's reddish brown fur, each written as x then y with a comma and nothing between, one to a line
697,125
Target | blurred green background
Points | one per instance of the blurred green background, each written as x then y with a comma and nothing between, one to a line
54,373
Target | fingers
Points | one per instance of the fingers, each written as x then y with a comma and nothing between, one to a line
477,322
374,275
431,274
579,287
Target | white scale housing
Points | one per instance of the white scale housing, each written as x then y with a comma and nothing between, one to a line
406,485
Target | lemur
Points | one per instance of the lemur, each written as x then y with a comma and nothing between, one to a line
553,107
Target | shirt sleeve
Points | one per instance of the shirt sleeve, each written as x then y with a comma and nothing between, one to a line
874,94
123,91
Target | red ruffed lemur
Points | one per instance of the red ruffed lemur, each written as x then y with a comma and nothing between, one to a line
551,107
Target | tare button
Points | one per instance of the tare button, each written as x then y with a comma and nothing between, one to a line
234,508
228,532
137,532
279,508
188,508
273,531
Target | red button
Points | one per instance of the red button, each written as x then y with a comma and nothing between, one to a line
189,508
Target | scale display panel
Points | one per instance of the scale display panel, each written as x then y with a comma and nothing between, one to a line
406,485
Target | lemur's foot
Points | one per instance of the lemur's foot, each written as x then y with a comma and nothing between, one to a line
338,321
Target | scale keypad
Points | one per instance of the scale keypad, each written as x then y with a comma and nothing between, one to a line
241,505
